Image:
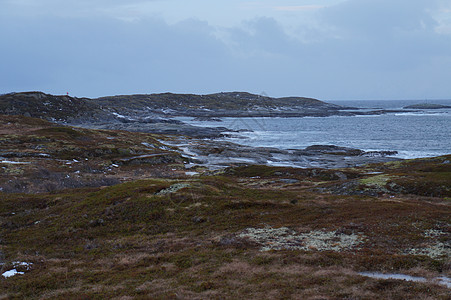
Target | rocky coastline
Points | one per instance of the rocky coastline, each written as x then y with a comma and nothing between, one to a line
214,155
155,114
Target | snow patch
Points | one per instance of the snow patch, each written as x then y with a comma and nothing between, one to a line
147,145
12,273
14,162
191,173
122,116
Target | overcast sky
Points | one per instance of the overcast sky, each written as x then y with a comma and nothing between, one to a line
326,49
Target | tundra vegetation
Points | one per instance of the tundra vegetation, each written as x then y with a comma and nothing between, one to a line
96,214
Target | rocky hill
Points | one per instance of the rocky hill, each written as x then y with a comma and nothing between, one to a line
51,107
220,104
153,113
138,112
72,109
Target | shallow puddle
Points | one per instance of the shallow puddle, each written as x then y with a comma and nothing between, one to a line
442,280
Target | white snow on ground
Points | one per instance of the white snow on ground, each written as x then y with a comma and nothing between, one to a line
148,145
191,173
122,116
12,273
22,264
187,151
14,162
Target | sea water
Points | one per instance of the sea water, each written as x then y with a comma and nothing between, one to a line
421,133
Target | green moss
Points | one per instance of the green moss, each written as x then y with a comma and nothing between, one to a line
13,171
394,164
61,130
379,180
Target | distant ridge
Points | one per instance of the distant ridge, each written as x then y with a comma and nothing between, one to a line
64,108
225,100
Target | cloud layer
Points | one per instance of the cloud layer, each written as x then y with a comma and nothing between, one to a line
355,49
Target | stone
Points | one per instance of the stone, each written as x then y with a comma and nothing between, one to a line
289,181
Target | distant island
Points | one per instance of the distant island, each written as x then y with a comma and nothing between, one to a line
427,106
154,113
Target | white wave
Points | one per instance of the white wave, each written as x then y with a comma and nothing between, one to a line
369,116
418,154
419,114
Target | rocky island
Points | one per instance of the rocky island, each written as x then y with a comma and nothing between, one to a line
154,113
427,106
90,210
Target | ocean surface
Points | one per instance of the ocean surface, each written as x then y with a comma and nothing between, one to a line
416,134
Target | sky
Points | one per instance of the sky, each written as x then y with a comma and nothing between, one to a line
325,49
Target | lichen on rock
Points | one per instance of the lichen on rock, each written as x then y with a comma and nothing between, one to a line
435,249
284,238
172,189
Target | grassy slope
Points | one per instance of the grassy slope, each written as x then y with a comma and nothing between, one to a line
171,236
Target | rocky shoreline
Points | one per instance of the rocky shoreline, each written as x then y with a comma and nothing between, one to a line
159,128
155,114
220,154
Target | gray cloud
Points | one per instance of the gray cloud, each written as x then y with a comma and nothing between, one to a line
101,56
388,35
359,49
380,18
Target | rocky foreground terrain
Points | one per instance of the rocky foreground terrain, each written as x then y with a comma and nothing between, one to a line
94,214
113,198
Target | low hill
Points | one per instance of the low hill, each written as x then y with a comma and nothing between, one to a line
219,101
85,110
51,107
